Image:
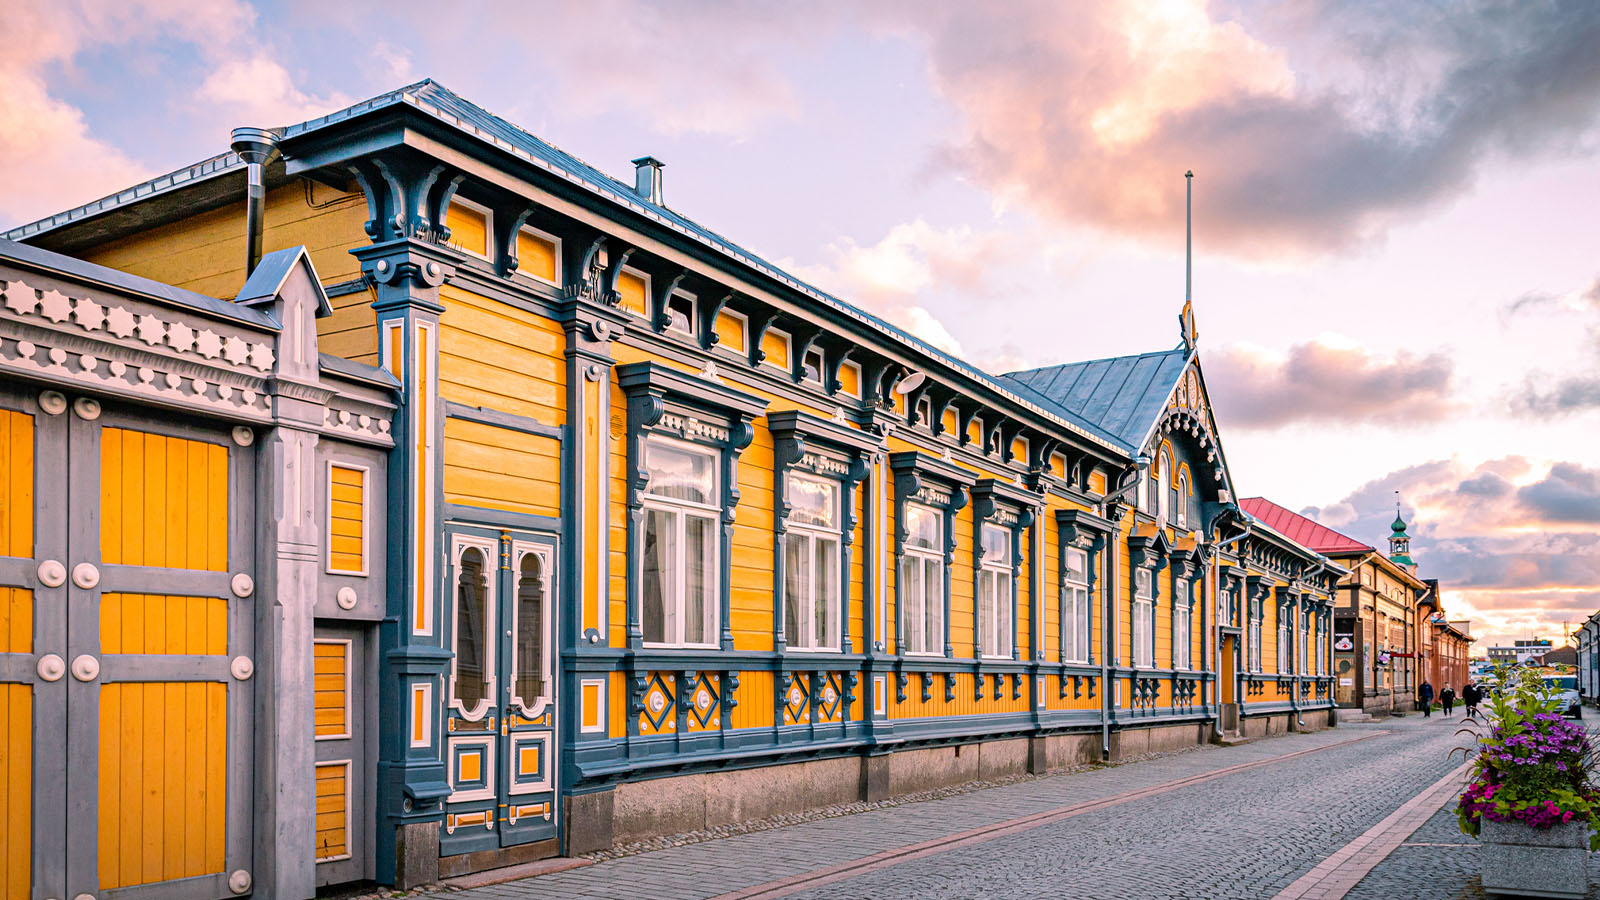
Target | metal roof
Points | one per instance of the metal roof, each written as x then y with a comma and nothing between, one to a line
1300,529
1122,396
444,105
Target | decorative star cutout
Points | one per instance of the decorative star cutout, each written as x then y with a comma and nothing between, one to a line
180,337
235,351
151,329
90,315
119,321
261,356
55,305
20,297
208,343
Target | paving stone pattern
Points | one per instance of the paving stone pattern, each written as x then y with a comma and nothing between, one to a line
1242,835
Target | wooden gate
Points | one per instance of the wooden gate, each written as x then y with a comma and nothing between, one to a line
124,667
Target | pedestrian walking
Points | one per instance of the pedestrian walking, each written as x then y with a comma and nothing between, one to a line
1447,699
1472,695
1425,697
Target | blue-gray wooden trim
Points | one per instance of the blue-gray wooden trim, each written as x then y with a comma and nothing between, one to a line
487,416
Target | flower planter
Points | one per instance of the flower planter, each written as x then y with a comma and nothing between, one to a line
1535,862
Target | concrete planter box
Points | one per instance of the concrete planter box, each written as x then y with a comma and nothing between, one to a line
1535,862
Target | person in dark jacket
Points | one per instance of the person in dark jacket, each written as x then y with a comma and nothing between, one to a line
1425,697
1447,699
1472,695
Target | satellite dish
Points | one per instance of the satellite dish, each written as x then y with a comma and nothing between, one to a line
910,383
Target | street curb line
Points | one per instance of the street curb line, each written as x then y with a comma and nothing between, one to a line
1337,875
984,833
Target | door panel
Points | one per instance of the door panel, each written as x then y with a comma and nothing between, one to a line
341,658
501,701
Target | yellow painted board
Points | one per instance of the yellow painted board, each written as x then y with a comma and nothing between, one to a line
536,256
469,228
499,468
633,293
163,501
16,789
731,332
776,348
16,620
16,483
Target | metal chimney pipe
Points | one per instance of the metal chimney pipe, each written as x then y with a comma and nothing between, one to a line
257,147
647,178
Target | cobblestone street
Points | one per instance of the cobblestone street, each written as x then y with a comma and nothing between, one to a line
1224,822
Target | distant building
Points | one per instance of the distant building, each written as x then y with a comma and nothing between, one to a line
1519,652
1588,640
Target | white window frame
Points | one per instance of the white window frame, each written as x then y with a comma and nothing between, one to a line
675,618
649,295
830,643
1075,611
520,550
1303,637
1180,516
1142,632
1322,644
491,568
1285,641
822,364
488,228
856,367
1163,478
996,629
1254,611
788,343
545,235
694,314
932,561
1182,638
366,517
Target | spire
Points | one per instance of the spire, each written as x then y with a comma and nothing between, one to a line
1186,318
1399,541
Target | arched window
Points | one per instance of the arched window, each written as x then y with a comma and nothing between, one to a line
1180,502
530,632
1163,480
471,685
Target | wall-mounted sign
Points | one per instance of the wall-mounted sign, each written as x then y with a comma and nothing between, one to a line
1347,682
1344,643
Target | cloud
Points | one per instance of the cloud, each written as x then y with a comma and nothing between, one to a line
1322,382
1543,395
46,143
1092,112
1570,493
892,277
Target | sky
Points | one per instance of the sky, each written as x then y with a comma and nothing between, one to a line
1396,273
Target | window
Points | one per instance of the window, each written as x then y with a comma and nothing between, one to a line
1144,615
811,367
1180,501
1075,607
1255,635
1163,473
530,669
1285,639
1300,649
1182,636
1322,645
1146,491
469,681
994,592
811,575
678,602
679,314
922,579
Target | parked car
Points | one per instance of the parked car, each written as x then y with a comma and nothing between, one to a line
1566,687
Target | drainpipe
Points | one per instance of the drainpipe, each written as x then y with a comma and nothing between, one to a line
257,147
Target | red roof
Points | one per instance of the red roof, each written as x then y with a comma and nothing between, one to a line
1300,529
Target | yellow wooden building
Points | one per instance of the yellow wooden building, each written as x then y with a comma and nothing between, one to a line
659,537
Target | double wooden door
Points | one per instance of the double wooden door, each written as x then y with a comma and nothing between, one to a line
126,565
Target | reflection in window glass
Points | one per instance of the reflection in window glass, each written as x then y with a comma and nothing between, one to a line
530,630
922,580
994,591
678,569
812,571
472,607
1075,607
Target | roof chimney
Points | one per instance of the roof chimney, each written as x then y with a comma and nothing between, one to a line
647,178
257,147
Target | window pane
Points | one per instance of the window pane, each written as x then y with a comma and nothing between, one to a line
814,501
658,581
996,545
680,473
986,611
827,603
1002,605
680,313
530,629
922,526
1077,566
472,605
796,585
699,607
911,598
933,585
